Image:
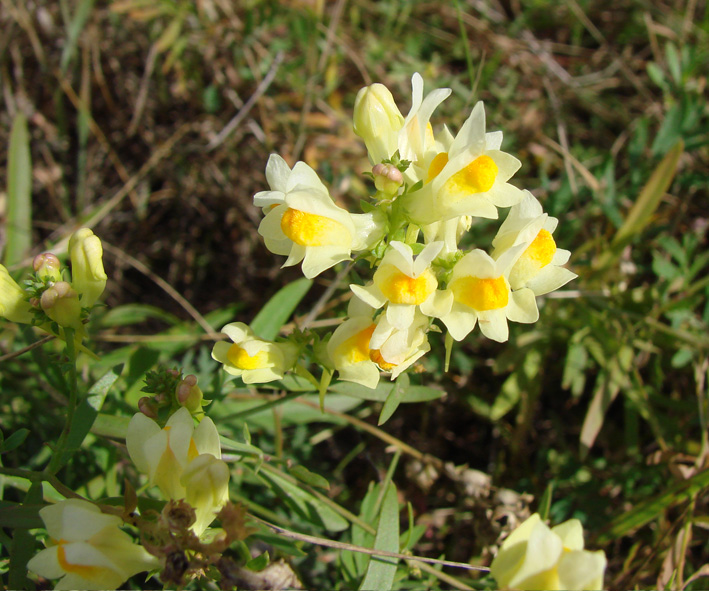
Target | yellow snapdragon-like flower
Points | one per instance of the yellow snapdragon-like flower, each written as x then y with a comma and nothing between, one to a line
537,557
402,283
359,356
479,291
303,223
173,458
468,176
13,302
539,265
87,550
253,359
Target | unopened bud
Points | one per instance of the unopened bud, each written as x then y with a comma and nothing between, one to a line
47,267
87,273
387,178
189,394
377,120
61,303
148,407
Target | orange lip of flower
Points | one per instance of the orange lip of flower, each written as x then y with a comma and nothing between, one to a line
309,229
85,571
376,356
399,288
481,294
477,177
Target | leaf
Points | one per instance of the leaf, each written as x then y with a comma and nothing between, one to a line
380,393
608,385
311,478
278,309
644,208
110,426
18,227
136,313
305,503
394,399
258,563
382,569
545,501
81,15
23,545
88,410
645,511
14,441
20,515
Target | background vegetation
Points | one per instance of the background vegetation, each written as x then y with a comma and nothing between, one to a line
151,122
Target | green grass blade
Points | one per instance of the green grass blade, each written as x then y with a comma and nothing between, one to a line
644,208
78,21
279,309
381,570
19,193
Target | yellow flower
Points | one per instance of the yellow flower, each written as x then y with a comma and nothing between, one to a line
206,482
303,223
253,359
536,557
88,277
479,291
13,304
184,461
466,175
538,266
403,284
87,550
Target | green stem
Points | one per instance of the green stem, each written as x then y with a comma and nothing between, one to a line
58,460
305,373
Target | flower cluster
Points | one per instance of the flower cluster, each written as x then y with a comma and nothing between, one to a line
430,187
183,461
48,298
86,549
535,556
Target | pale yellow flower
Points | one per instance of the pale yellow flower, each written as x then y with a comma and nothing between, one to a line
13,303
184,461
254,360
539,265
466,175
405,285
479,291
87,550
536,557
303,223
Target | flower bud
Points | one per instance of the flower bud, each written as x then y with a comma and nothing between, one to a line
13,305
387,178
377,121
47,267
189,394
147,406
87,274
61,303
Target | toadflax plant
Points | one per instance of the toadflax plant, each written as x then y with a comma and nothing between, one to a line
431,187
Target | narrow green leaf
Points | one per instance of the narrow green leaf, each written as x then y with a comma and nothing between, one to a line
382,391
88,410
381,570
14,441
644,208
304,475
23,545
78,21
135,313
278,309
18,228
394,399
259,563
545,501
20,515
646,511
110,426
